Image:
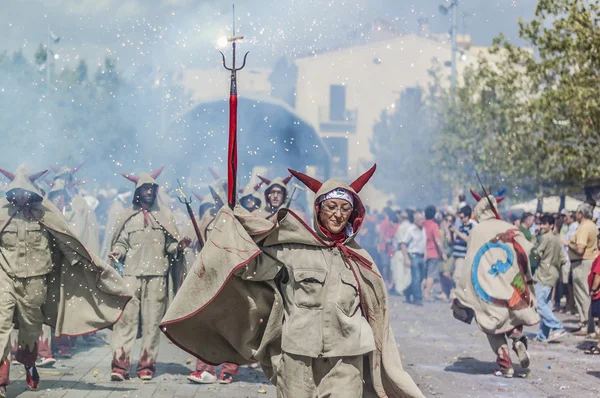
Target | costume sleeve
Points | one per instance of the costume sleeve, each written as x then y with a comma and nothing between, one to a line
122,242
170,244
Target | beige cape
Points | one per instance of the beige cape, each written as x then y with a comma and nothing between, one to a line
84,297
220,317
496,282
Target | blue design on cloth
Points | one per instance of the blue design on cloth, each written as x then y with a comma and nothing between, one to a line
499,267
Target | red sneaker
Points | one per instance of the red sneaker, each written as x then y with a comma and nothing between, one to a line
32,377
225,378
145,375
118,375
64,353
202,377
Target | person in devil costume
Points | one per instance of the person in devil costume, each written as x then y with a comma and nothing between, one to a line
308,304
147,243
276,194
82,221
47,276
249,198
206,373
496,286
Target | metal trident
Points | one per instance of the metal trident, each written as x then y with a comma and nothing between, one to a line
232,147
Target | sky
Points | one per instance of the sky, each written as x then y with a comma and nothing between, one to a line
184,33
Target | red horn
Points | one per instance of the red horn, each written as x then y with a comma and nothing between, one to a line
74,169
8,174
361,181
475,195
214,173
157,171
55,169
198,196
79,182
265,180
257,186
312,184
131,178
287,179
37,175
499,199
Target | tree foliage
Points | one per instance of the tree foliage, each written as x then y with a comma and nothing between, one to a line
528,118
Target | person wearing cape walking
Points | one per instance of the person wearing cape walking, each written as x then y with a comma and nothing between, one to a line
82,220
47,276
147,243
495,286
206,373
308,304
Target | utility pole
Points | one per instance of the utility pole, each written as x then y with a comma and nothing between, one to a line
454,7
48,64
453,33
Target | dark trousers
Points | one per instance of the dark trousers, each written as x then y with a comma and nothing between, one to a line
418,272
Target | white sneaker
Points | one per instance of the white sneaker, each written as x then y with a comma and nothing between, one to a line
45,362
556,335
202,377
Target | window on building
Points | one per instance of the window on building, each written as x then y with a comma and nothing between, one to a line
337,102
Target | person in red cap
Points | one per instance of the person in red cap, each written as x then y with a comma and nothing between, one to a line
308,304
146,244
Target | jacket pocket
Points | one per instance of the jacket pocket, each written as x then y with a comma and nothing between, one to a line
348,299
308,288
34,234
9,236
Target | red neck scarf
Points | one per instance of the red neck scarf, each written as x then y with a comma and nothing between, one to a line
340,237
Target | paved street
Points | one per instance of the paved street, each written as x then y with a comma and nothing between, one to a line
446,358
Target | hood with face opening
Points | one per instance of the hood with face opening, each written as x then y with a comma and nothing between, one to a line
279,182
357,216
23,180
251,191
486,207
143,179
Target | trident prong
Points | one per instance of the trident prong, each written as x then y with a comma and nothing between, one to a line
182,196
233,68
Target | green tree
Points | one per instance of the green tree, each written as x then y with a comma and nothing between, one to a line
530,116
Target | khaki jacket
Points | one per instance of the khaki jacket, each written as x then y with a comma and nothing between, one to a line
82,296
230,308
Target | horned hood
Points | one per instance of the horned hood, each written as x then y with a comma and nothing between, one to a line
142,179
358,214
22,179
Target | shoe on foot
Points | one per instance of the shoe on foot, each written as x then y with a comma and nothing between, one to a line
226,378
32,377
508,373
202,377
2,391
521,350
13,360
118,375
45,362
556,335
64,353
145,375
